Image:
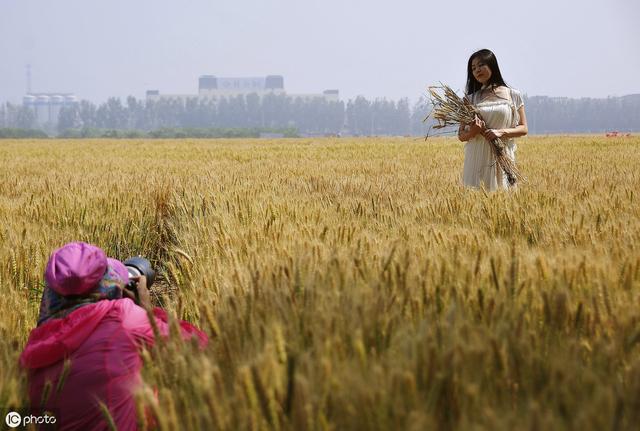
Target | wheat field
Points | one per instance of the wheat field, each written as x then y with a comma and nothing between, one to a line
350,283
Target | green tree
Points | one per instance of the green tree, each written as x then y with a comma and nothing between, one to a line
25,118
69,118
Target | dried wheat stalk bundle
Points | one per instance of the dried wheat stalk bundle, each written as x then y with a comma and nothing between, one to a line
450,110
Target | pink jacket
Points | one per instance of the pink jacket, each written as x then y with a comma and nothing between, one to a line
102,341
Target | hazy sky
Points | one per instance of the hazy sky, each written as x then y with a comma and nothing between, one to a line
99,48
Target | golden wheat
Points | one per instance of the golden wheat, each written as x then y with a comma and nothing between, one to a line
350,283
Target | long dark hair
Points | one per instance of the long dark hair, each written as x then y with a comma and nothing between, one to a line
488,58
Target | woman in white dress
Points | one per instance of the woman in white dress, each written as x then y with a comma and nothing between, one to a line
502,110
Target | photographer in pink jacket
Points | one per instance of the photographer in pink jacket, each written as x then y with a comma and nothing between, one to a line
85,350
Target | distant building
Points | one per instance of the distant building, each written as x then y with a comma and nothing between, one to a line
214,88
47,106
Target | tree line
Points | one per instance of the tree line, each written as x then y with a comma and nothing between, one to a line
359,116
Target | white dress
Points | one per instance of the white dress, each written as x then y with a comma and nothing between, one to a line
479,164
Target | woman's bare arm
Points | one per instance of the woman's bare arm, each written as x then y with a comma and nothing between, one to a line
515,132
521,129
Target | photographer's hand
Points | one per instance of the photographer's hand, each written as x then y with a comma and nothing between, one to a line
144,298
129,294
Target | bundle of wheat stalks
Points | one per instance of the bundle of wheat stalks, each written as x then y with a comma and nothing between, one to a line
451,110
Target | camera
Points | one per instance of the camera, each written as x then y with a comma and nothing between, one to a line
137,266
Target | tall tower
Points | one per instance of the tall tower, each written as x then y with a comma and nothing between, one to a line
28,78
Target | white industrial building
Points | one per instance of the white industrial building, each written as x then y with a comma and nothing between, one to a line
212,88
47,106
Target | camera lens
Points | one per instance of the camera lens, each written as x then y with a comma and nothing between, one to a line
137,266
133,272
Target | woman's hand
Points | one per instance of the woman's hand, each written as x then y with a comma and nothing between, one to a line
493,134
477,127
471,130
